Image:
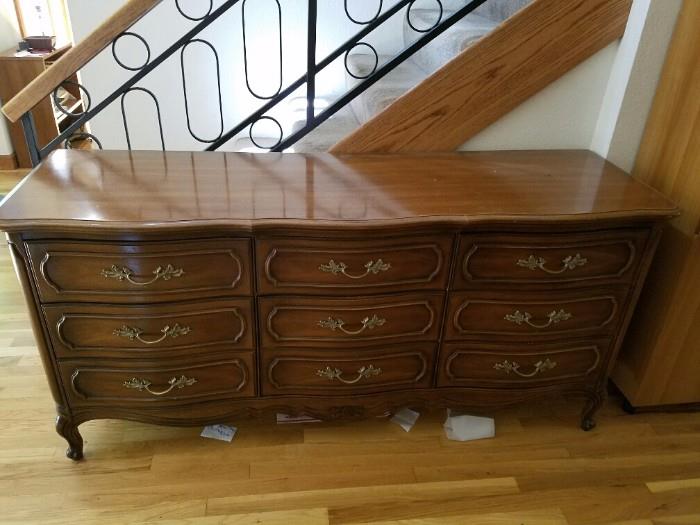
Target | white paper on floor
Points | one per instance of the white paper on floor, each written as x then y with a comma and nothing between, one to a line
220,432
284,419
406,418
467,428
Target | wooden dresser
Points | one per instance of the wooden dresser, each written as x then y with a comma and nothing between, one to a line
190,288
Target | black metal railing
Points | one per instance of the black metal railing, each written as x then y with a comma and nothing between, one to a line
75,129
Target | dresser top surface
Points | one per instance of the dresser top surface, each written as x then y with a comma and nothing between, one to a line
117,189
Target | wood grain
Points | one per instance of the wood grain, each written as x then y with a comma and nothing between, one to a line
660,362
154,191
77,57
523,55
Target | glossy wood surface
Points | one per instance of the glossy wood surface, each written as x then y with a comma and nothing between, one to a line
490,78
660,363
511,365
184,329
137,191
524,260
103,382
299,321
301,371
533,315
346,266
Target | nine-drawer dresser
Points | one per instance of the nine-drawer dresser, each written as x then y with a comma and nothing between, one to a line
192,288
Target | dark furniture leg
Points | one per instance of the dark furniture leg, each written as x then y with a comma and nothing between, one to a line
69,431
594,401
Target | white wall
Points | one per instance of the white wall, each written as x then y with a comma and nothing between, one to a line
9,36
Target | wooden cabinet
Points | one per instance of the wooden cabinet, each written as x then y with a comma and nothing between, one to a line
453,285
16,73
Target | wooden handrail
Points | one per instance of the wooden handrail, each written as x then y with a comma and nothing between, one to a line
487,80
77,57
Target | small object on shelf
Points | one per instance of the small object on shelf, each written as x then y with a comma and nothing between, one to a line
41,43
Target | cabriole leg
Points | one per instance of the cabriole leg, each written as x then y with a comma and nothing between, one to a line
69,431
594,400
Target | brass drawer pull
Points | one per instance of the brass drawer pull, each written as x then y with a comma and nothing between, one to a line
133,333
124,273
553,317
174,382
570,262
335,373
513,366
373,267
368,323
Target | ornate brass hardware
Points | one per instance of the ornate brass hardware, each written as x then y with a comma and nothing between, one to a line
368,323
133,333
335,373
174,382
570,262
553,317
513,366
371,267
123,273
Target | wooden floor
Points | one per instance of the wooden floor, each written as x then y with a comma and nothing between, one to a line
540,469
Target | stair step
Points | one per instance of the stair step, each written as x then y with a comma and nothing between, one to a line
456,39
327,134
377,97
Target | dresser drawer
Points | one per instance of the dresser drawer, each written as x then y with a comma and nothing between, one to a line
140,272
304,321
135,382
533,314
341,372
131,331
343,266
509,365
565,259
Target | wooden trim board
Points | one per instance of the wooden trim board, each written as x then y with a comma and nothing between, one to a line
660,363
8,162
527,52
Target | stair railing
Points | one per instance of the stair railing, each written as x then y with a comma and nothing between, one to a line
117,26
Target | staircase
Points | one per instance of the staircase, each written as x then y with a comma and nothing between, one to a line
406,76
463,64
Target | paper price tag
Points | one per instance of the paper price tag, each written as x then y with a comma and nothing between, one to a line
220,432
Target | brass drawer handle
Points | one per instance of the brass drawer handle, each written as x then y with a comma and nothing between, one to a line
174,382
371,267
513,366
335,373
553,317
134,333
570,262
368,323
124,273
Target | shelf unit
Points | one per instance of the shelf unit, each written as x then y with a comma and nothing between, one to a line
18,71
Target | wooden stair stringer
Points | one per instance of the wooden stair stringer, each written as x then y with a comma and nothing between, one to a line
486,81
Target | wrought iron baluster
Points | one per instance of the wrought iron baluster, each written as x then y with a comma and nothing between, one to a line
311,62
218,88
245,52
126,126
362,22
30,137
